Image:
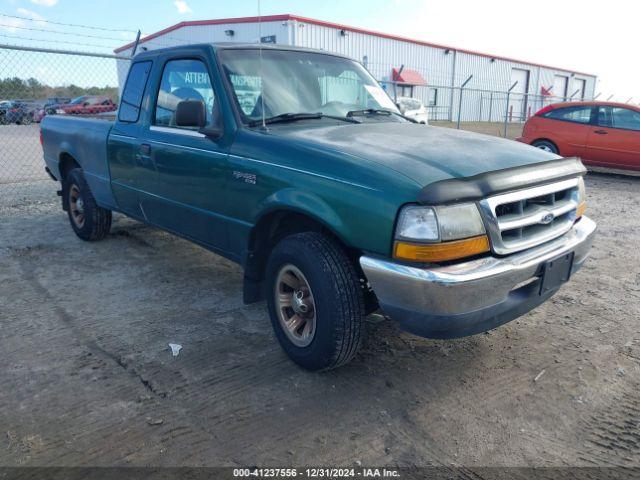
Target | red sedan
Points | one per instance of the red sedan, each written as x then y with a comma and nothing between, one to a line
87,105
600,133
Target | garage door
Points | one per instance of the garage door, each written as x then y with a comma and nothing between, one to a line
560,84
518,101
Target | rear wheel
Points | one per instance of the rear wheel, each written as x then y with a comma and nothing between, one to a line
546,145
27,119
315,301
89,221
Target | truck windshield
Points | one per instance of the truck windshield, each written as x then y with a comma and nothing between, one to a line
294,82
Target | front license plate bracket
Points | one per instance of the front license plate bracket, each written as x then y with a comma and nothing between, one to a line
555,272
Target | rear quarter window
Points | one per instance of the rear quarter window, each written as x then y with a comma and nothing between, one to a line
577,114
134,91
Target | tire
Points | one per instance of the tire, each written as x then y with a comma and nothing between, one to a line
89,221
546,145
335,293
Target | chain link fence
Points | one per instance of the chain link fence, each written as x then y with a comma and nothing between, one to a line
493,112
34,83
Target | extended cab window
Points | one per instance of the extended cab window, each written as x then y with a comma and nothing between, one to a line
133,92
183,80
578,114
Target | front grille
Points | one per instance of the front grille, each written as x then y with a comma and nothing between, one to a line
526,218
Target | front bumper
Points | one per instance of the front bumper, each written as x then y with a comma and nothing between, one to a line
475,296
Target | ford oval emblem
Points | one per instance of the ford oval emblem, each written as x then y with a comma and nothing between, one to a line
547,218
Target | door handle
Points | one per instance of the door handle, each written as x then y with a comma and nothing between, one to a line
145,149
600,132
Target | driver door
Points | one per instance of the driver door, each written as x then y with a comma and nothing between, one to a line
186,191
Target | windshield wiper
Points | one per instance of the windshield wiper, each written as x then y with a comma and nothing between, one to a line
377,111
292,117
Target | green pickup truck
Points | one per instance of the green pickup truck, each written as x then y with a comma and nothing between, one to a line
297,165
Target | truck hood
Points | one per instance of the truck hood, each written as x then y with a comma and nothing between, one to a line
423,153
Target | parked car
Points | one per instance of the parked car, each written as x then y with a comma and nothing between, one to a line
16,111
601,133
87,105
333,203
4,106
414,109
49,107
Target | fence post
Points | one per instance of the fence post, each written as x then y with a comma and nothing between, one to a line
395,84
506,113
460,102
490,107
135,44
573,95
480,112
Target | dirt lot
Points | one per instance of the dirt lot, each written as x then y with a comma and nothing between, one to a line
496,129
88,377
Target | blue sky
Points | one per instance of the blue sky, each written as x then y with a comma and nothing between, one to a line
561,33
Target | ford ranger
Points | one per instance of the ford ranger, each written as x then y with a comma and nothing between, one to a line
297,165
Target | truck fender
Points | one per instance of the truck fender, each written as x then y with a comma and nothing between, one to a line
289,201
66,149
304,203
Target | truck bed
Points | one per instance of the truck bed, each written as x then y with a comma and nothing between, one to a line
84,139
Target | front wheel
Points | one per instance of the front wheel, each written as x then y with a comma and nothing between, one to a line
315,301
89,221
545,145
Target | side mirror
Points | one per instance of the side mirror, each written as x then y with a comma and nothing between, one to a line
191,113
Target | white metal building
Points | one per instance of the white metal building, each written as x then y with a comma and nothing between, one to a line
409,64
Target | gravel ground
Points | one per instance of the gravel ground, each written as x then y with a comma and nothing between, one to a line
496,129
88,377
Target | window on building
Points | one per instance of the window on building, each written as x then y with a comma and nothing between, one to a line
433,97
405,90
183,80
571,114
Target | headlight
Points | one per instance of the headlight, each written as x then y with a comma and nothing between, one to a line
459,221
433,234
434,224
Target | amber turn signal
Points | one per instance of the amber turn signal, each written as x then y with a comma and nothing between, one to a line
441,252
581,209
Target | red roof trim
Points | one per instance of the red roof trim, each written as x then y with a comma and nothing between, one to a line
282,18
408,76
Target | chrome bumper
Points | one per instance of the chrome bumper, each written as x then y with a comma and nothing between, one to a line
474,296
